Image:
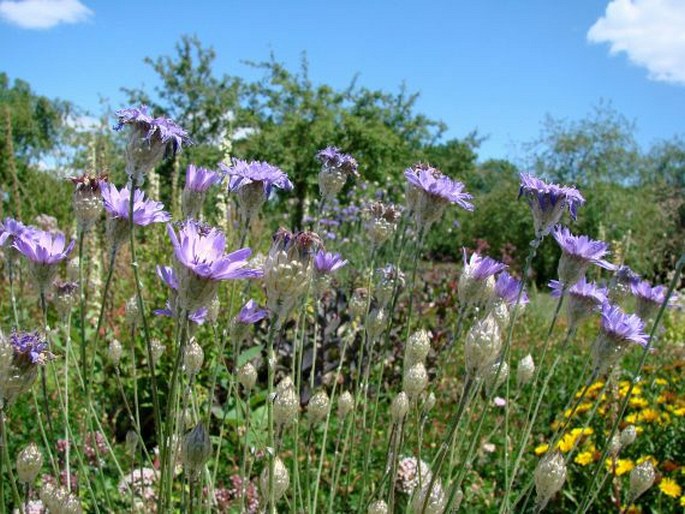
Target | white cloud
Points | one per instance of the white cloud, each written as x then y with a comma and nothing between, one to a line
43,14
650,32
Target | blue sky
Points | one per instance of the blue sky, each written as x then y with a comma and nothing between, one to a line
498,66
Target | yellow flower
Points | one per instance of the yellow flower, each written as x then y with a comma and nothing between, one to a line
577,432
567,442
584,458
632,418
661,382
670,487
682,501
648,458
649,415
679,412
539,450
638,402
624,466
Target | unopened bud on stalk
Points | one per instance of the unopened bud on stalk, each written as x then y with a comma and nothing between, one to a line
72,269
415,380
525,370
318,407
281,479
642,478
378,507
614,445
29,463
628,436
359,302
193,358
157,349
286,403
437,501
495,375
375,324
131,442
418,346
399,407
114,352
247,376
483,343
550,475
132,312
195,449
345,404
429,403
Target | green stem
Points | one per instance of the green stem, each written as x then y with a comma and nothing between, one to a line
8,462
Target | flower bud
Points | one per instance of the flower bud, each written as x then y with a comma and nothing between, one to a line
358,302
415,380
525,370
157,349
614,445
193,358
429,403
29,463
495,375
399,407
286,403
628,435
418,346
132,315
375,324
247,376
345,404
378,507
72,270
196,449
437,501
281,479
483,343
550,475
131,442
114,352
318,407
642,478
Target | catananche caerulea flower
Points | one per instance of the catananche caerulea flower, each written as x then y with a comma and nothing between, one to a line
335,168
117,206
10,229
326,263
382,222
20,356
44,251
548,202
618,331
507,289
649,298
168,276
583,297
249,314
87,200
429,192
150,140
201,263
578,252
477,282
198,181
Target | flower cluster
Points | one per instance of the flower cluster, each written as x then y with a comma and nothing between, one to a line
335,168
21,354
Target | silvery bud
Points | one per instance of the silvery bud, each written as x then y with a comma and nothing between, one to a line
418,346
72,269
345,404
429,403
131,442
286,403
495,375
550,475
29,463
614,445
196,449
132,312
525,370
378,507
375,324
281,479
247,376
157,349
642,478
359,302
193,358
483,343
415,380
318,406
399,407
628,435
114,352
436,501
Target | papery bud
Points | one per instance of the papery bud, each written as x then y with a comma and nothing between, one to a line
331,181
378,507
614,445
157,349
359,302
415,380
29,463
550,475
193,357
628,436
495,375
247,376
286,403
87,201
131,442
399,407
375,324
435,503
429,403
213,310
525,370
114,352
642,478
418,346
345,404
281,479
65,297
483,343
132,315
196,449
73,269
318,406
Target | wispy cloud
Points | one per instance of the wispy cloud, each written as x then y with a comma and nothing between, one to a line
650,32
43,14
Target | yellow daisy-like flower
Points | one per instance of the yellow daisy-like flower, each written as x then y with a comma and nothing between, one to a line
624,466
680,412
649,458
632,418
649,415
682,501
584,458
670,487
539,450
661,381
637,402
577,432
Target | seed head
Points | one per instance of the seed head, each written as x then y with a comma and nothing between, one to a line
550,475
281,479
318,407
415,380
437,501
378,507
196,449
628,435
114,352
375,324
29,463
193,358
483,343
286,403
247,376
418,346
399,407
525,370
642,478
345,404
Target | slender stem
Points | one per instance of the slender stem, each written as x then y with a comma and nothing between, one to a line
82,303
13,298
8,462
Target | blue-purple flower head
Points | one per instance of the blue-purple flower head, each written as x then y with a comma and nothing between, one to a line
583,297
326,263
30,348
332,158
145,211
648,298
11,229
201,179
251,313
202,263
622,327
168,276
477,282
507,289
244,173
41,247
548,202
153,130
21,354
429,192
578,252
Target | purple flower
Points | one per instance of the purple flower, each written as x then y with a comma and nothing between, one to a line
578,252
42,247
583,298
145,211
200,179
198,317
621,327
332,157
649,298
326,263
159,129
432,182
202,263
548,202
10,229
243,173
507,289
29,348
481,268
476,283
251,313
168,276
